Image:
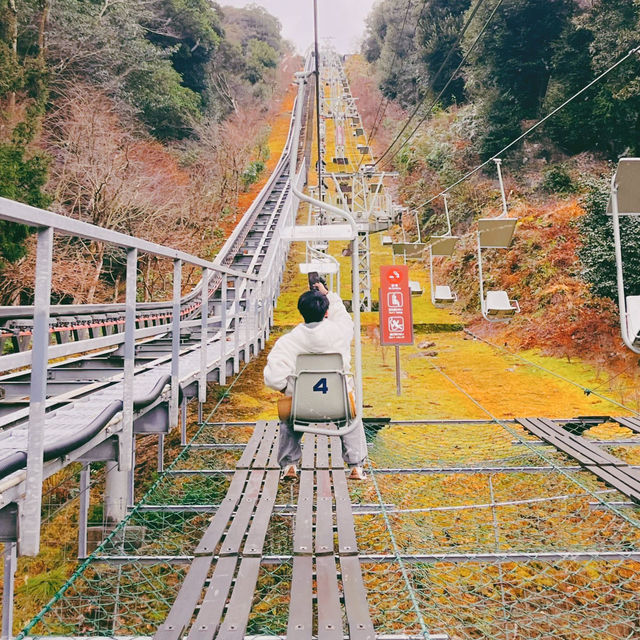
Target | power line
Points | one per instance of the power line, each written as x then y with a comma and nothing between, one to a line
449,81
433,80
533,127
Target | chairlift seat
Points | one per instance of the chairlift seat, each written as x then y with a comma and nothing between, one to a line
633,319
320,393
319,266
410,250
627,179
318,233
443,245
415,287
496,233
443,294
498,305
387,240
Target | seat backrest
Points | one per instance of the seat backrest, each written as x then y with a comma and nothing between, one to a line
319,362
498,300
320,394
443,292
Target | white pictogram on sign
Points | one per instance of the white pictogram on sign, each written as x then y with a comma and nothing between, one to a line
396,325
394,299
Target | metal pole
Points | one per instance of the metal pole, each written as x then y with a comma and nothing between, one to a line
10,560
617,245
223,331
236,328
175,343
204,317
126,436
83,516
480,275
355,307
160,452
317,55
247,329
183,422
502,193
31,510
398,381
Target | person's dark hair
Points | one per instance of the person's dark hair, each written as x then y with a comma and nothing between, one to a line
313,305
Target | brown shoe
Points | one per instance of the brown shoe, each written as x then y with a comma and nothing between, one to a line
290,472
357,473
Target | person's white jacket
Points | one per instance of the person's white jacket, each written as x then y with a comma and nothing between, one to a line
331,335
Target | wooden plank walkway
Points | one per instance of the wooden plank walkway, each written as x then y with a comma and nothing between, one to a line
236,535
630,423
327,589
615,472
339,588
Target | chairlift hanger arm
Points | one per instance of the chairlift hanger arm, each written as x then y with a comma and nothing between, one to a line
617,242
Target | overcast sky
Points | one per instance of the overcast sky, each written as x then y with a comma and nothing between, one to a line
342,20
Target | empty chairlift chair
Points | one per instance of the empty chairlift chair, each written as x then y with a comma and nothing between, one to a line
321,396
625,201
441,294
409,250
442,246
496,233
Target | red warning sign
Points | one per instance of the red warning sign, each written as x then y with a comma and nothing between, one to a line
396,316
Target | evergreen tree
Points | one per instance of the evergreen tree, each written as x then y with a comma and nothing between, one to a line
511,65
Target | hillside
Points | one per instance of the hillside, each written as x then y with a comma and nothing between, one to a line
436,122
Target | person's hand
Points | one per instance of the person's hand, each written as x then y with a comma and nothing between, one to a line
318,286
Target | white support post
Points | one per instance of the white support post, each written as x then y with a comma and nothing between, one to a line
498,162
247,321
257,317
223,330
481,276
175,344
127,439
119,475
31,510
617,245
160,452
10,562
204,338
236,327
183,420
83,516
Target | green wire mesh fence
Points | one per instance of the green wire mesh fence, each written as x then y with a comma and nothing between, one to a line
473,530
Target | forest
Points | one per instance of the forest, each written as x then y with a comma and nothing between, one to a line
146,117
471,77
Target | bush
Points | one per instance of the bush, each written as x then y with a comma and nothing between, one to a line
252,173
597,252
557,180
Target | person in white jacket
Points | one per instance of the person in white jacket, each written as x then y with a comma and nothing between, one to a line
327,328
